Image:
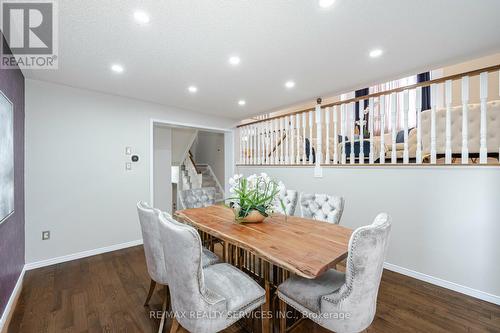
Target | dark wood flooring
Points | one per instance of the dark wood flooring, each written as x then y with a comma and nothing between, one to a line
105,293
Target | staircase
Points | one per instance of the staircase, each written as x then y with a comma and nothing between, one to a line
199,175
209,180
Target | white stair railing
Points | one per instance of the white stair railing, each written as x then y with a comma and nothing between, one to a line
391,126
195,179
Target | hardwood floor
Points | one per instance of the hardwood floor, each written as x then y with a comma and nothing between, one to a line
105,293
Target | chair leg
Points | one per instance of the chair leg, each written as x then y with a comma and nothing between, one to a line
282,316
166,302
151,290
175,326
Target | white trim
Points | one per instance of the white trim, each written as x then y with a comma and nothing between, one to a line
445,284
11,302
384,166
79,255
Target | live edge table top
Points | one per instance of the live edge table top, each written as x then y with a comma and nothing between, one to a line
302,246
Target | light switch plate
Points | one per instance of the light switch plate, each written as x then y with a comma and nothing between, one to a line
128,150
45,235
128,166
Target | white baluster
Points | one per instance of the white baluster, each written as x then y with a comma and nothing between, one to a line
382,128
343,128
252,145
282,141
433,122
247,145
406,109
303,143
465,120
483,97
319,134
448,101
267,139
335,136
394,102
361,112
272,142
310,137
287,140
240,131
371,158
257,142
327,135
292,139
277,141
263,143
352,120
418,107
297,137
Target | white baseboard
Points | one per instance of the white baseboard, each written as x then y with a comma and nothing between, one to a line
9,308
445,284
79,255
398,269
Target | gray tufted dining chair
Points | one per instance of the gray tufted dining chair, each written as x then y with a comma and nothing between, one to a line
289,198
153,250
198,197
219,294
322,207
345,302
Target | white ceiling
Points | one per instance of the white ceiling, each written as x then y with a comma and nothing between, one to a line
188,42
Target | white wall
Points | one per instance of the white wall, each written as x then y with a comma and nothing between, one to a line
182,138
76,183
446,220
162,168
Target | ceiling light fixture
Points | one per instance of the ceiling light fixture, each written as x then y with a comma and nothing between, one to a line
326,3
376,53
141,17
117,68
234,60
192,89
289,84
241,102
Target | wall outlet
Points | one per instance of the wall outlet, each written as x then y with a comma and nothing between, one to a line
128,166
45,235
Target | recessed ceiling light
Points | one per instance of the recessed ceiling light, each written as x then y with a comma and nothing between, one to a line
192,89
376,53
242,102
234,60
326,3
141,17
117,68
289,84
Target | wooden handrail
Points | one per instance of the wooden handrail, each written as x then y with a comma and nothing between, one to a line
277,145
192,161
386,92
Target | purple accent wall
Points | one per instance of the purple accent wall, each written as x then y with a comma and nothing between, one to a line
12,229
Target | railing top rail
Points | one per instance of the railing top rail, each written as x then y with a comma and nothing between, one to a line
386,92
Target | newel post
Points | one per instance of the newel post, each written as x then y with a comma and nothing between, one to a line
318,172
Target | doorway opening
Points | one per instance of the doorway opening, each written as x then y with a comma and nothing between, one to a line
187,158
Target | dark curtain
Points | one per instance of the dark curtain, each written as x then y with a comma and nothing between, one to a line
426,91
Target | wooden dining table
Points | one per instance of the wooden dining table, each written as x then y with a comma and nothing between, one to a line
273,249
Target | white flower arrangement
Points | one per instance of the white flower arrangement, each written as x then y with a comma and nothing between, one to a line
255,192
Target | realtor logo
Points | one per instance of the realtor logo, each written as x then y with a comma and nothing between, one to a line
30,30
